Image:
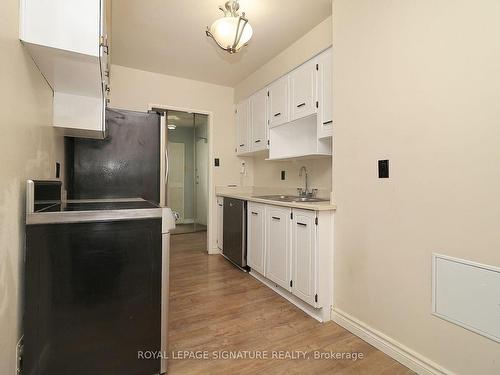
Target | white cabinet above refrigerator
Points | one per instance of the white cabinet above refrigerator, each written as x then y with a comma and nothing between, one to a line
68,42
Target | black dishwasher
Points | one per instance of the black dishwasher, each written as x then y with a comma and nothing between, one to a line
235,232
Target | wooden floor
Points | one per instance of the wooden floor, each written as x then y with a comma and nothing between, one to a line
216,307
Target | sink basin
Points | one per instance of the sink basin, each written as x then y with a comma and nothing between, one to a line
291,198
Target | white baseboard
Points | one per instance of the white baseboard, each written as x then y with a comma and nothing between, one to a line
404,355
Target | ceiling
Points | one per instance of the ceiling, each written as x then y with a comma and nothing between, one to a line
168,36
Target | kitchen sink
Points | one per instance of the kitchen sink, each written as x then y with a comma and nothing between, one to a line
291,198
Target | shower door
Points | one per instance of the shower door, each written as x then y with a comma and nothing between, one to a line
187,182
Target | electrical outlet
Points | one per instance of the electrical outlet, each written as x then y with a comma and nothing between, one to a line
383,169
19,356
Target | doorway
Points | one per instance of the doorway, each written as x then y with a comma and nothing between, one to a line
187,182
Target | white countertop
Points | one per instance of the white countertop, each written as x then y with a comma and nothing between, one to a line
313,206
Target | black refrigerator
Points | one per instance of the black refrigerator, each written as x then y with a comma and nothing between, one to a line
96,263
123,165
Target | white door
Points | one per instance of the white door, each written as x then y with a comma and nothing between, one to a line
256,244
279,102
278,262
201,181
176,174
258,120
220,222
242,127
304,255
325,94
303,90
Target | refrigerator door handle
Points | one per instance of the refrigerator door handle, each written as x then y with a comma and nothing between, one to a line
166,165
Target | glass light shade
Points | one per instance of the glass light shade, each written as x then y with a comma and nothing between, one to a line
224,32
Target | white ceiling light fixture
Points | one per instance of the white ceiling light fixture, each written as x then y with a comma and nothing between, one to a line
171,126
231,32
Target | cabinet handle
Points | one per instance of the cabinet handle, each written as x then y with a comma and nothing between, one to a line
242,145
301,105
220,205
254,213
257,141
276,218
328,122
302,224
277,114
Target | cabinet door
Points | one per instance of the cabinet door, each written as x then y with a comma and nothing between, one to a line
242,135
325,91
278,257
258,116
279,102
69,25
220,222
256,244
303,90
304,255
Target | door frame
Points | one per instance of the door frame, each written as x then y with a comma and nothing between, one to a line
211,187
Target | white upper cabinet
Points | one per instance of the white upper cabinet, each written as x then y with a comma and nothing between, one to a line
325,94
279,102
69,25
304,256
258,120
242,127
256,246
303,90
278,245
68,42
293,116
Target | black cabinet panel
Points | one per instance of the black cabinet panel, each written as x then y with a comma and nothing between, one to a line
93,298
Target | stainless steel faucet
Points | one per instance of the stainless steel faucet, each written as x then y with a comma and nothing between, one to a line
304,192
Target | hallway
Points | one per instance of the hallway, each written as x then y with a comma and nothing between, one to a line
215,307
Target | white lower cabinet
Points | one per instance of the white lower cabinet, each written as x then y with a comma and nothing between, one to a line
256,246
220,222
278,254
304,256
292,251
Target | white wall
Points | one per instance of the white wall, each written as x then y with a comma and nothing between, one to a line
416,82
29,148
136,90
268,173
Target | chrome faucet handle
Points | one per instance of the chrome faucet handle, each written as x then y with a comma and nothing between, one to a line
300,192
314,193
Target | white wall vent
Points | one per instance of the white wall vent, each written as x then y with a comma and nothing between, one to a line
467,293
